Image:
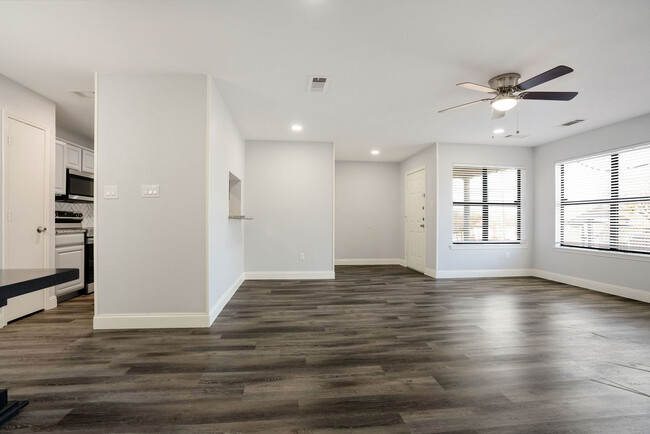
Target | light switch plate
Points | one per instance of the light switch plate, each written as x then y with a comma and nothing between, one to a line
150,190
110,192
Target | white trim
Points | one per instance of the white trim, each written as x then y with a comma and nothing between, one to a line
333,206
208,116
462,274
621,291
151,320
371,261
606,152
288,275
224,299
51,301
603,253
3,316
426,221
486,246
417,169
430,272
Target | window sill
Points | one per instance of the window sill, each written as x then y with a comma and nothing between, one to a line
487,246
612,255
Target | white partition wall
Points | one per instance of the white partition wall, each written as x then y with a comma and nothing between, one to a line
154,266
289,192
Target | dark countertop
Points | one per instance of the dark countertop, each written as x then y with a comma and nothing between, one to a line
15,282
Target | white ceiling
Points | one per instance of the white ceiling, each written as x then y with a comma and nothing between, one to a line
393,63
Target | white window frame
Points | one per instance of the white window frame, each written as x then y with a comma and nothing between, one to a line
611,253
479,245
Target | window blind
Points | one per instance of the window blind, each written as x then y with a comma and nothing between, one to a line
486,205
603,201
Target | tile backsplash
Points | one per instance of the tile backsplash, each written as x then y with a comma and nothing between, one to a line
85,208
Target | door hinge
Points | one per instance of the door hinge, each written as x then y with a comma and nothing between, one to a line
8,140
424,195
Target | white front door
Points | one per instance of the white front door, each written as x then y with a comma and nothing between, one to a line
25,220
415,220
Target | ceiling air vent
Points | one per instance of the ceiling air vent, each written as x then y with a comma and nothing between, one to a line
568,124
317,83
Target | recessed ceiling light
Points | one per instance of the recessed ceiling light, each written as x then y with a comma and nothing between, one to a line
296,127
374,152
499,131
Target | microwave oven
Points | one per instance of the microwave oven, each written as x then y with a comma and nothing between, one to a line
80,186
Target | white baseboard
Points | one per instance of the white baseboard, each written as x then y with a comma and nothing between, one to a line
370,261
463,274
430,272
289,275
621,291
151,321
51,302
225,298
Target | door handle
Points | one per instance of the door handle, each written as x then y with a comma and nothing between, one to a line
40,229
421,226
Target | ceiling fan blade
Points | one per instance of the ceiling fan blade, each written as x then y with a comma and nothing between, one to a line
464,105
497,114
549,96
474,86
549,75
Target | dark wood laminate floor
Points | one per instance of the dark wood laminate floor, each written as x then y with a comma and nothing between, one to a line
380,349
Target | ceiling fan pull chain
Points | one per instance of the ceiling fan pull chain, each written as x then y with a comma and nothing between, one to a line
517,120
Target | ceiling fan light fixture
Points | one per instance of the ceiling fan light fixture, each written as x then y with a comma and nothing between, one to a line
504,103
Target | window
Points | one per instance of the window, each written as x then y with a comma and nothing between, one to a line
603,201
487,205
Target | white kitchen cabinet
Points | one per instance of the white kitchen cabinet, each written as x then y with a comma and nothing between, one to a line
59,180
70,254
72,157
87,161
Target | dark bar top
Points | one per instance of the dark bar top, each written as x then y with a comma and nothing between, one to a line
15,282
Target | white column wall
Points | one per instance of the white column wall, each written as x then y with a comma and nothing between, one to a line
151,253
289,192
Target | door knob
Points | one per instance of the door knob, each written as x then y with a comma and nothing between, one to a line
40,229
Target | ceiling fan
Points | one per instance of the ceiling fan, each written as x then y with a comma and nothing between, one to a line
507,92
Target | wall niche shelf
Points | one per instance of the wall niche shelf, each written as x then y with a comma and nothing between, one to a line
234,199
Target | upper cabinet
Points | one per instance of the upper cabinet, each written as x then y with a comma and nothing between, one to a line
87,161
73,157
69,156
59,180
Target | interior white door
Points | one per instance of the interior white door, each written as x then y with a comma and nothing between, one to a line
415,220
25,220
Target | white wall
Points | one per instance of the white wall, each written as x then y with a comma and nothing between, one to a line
626,275
461,261
226,242
76,138
289,192
151,254
369,221
25,104
428,159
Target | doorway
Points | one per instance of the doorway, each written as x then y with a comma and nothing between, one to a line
416,219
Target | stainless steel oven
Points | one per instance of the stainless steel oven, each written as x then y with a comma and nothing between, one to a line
80,186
